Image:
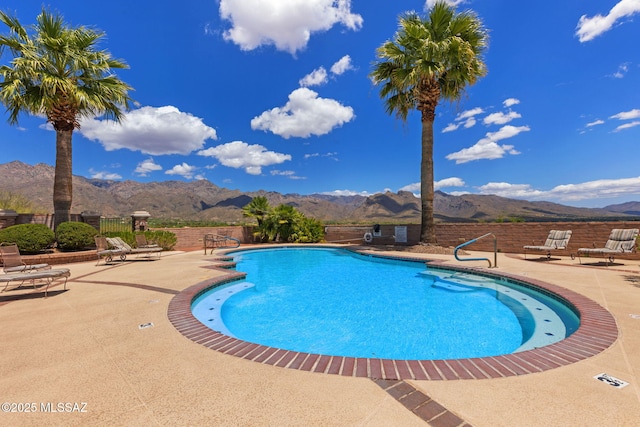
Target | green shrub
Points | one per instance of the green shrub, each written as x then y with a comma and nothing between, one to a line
75,236
30,238
165,239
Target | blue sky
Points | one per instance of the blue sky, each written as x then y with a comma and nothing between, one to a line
275,95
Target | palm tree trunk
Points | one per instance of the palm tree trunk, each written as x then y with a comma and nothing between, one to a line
62,185
427,227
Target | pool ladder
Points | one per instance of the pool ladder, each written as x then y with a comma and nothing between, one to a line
495,251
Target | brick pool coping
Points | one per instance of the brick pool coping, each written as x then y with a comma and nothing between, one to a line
597,332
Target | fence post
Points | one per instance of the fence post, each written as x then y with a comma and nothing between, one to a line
91,218
7,218
139,221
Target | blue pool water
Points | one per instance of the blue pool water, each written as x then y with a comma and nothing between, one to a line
331,301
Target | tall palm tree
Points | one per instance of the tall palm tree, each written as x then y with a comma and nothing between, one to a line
59,72
429,59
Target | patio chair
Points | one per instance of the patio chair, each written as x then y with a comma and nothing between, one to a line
107,251
620,241
556,240
214,241
12,260
47,276
142,242
120,244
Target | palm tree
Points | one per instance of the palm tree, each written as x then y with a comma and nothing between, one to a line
60,73
428,59
258,208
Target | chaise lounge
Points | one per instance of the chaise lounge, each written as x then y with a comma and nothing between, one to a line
620,241
12,260
556,240
47,276
125,249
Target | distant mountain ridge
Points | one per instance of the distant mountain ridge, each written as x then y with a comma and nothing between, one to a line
203,200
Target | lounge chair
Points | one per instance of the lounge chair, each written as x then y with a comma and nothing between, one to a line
556,240
107,251
48,276
620,241
121,245
141,242
12,261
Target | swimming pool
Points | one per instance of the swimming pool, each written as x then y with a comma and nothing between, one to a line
339,303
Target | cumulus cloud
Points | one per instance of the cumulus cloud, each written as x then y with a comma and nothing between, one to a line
150,130
488,147
465,119
104,175
315,78
305,114
590,28
510,101
285,24
437,185
342,65
185,170
147,166
240,155
500,118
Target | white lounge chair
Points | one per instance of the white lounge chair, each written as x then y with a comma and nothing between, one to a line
46,276
556,240
107,252
125,249
620,241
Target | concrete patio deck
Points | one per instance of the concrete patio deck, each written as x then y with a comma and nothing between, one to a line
86,354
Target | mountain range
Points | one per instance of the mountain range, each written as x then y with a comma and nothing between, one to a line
203,200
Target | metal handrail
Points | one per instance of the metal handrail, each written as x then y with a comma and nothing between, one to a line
495,251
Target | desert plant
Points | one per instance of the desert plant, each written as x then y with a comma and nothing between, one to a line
30,238
16,202
74,236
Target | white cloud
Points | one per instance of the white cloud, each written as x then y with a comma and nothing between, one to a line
342,65
305,114
595,123
288,174
150,130
240,155
627,115
627,126
430,3
415,188
449,182
185,170
315,78
347,193
487,147
104,175
147,166
500,118
510,101
622,70
599,189
285,24
590,28
504,189
466,119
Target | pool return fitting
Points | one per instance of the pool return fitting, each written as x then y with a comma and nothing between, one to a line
495,251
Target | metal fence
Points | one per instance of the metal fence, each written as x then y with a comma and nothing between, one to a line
115,224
